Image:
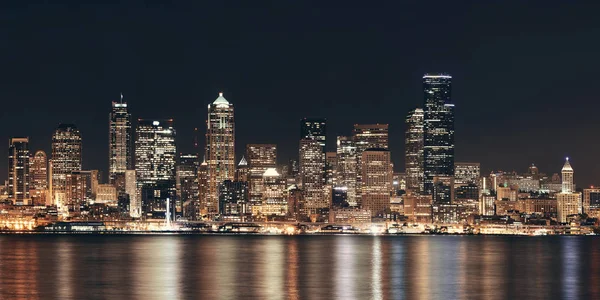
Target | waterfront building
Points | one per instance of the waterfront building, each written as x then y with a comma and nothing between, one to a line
438,145
591,202
18,171
107,194
66,158
367,136
568,202
156,197
187,185
376,180
414,150
220,151
346,168
260,157
417,208
119,137
233,200
312,166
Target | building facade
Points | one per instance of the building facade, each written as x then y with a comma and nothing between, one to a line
367,136
260,157
377,180
220,150
312,166
38,176
438,145
119,140
18,171
66,158
314,129
346,168
414,151
568,202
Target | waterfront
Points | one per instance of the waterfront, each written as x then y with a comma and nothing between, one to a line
298,267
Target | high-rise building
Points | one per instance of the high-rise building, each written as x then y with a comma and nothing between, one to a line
314,129
38,176
220,150
131,189
260,158
312,166
241,173
438,145
275,202
377,180
591,202
568,202
330,167
202,190
346,168
187,185
66,158
80,191
18,171
155,151
119,137
367,136
233,200
155,156
414,151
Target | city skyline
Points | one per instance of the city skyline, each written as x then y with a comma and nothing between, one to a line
510,88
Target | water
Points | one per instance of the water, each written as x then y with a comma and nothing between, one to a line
298,267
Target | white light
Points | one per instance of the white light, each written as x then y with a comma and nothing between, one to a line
155,123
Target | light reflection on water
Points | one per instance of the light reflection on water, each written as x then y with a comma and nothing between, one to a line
298,267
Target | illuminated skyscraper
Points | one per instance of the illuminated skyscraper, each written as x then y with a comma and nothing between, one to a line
314,129
220,150
330,167
119,155
367,136
155,151
66,158
568,202
187,185
155,156
80,189
438,143
260,157
377,180
414,151
312,165
274,194
132,191
38,176
18,171
346,168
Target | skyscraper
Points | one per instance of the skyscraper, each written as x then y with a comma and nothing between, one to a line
414,151
346,167
438,143
220,150
66,158
314,129
377,180
367,136
568,202
312,165
260,158
132,191
187,184
38,177
119,155
155,156
155,151
18,171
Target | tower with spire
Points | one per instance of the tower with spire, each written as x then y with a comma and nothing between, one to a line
220,151
568,201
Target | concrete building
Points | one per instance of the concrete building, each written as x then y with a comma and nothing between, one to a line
568,202
376,181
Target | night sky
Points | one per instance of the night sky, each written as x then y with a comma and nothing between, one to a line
525,74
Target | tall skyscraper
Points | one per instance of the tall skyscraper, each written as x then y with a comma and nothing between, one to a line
66,158
187,185
38,176
119,136
18,171
260,157
314,129
438,143
377,180
155,156
414,151
312,165
367,136
346,168
220,150
568,202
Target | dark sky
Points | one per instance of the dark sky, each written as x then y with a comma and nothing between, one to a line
525,74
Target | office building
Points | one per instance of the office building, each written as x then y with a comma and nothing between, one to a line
438,145
312,166
568,202
18,171
591,202
377,181
233,200
38,177
367,136
414,151
314,129
274,202
187,185
260,157
346,168
220,150
466,173
131,189
242,171
66,158
119,137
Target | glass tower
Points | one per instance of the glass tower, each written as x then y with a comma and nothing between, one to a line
119,141
414,151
